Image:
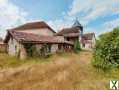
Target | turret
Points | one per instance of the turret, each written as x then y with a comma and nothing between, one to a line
77,24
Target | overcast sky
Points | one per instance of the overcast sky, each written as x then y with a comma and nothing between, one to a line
95,15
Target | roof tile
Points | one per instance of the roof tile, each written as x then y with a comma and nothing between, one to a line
33,25
69,30
33,38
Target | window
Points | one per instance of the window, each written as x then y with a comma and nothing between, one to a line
67,39
83,45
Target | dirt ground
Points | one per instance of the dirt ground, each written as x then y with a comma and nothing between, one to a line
74,72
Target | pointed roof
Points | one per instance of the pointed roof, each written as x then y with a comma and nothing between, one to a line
76,23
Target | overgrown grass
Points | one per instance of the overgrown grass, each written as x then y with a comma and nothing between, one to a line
7,61
64,71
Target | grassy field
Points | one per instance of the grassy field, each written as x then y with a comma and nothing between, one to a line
58,72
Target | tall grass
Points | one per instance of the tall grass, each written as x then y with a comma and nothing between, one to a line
7,61
68,71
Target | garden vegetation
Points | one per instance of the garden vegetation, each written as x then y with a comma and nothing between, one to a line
106,52
77,46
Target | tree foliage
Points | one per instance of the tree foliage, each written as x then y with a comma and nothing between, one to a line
106,52
77,46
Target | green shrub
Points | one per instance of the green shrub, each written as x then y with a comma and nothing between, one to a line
106,52
77,46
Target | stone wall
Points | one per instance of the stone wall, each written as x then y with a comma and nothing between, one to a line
54,48
16,49
13,47
22,52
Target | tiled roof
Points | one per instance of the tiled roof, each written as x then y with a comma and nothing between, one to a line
69,30
88,36
33,38
33,25
71,35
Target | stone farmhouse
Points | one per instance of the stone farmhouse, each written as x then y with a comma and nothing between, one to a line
74,33
38,37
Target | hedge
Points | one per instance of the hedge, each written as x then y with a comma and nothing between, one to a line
106,52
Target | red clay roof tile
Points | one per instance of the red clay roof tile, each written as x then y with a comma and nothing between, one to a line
33,38
33,25
68,30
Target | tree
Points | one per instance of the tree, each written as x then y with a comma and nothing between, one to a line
77,46
106,52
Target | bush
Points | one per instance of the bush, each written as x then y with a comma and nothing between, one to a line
106,52
77,46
